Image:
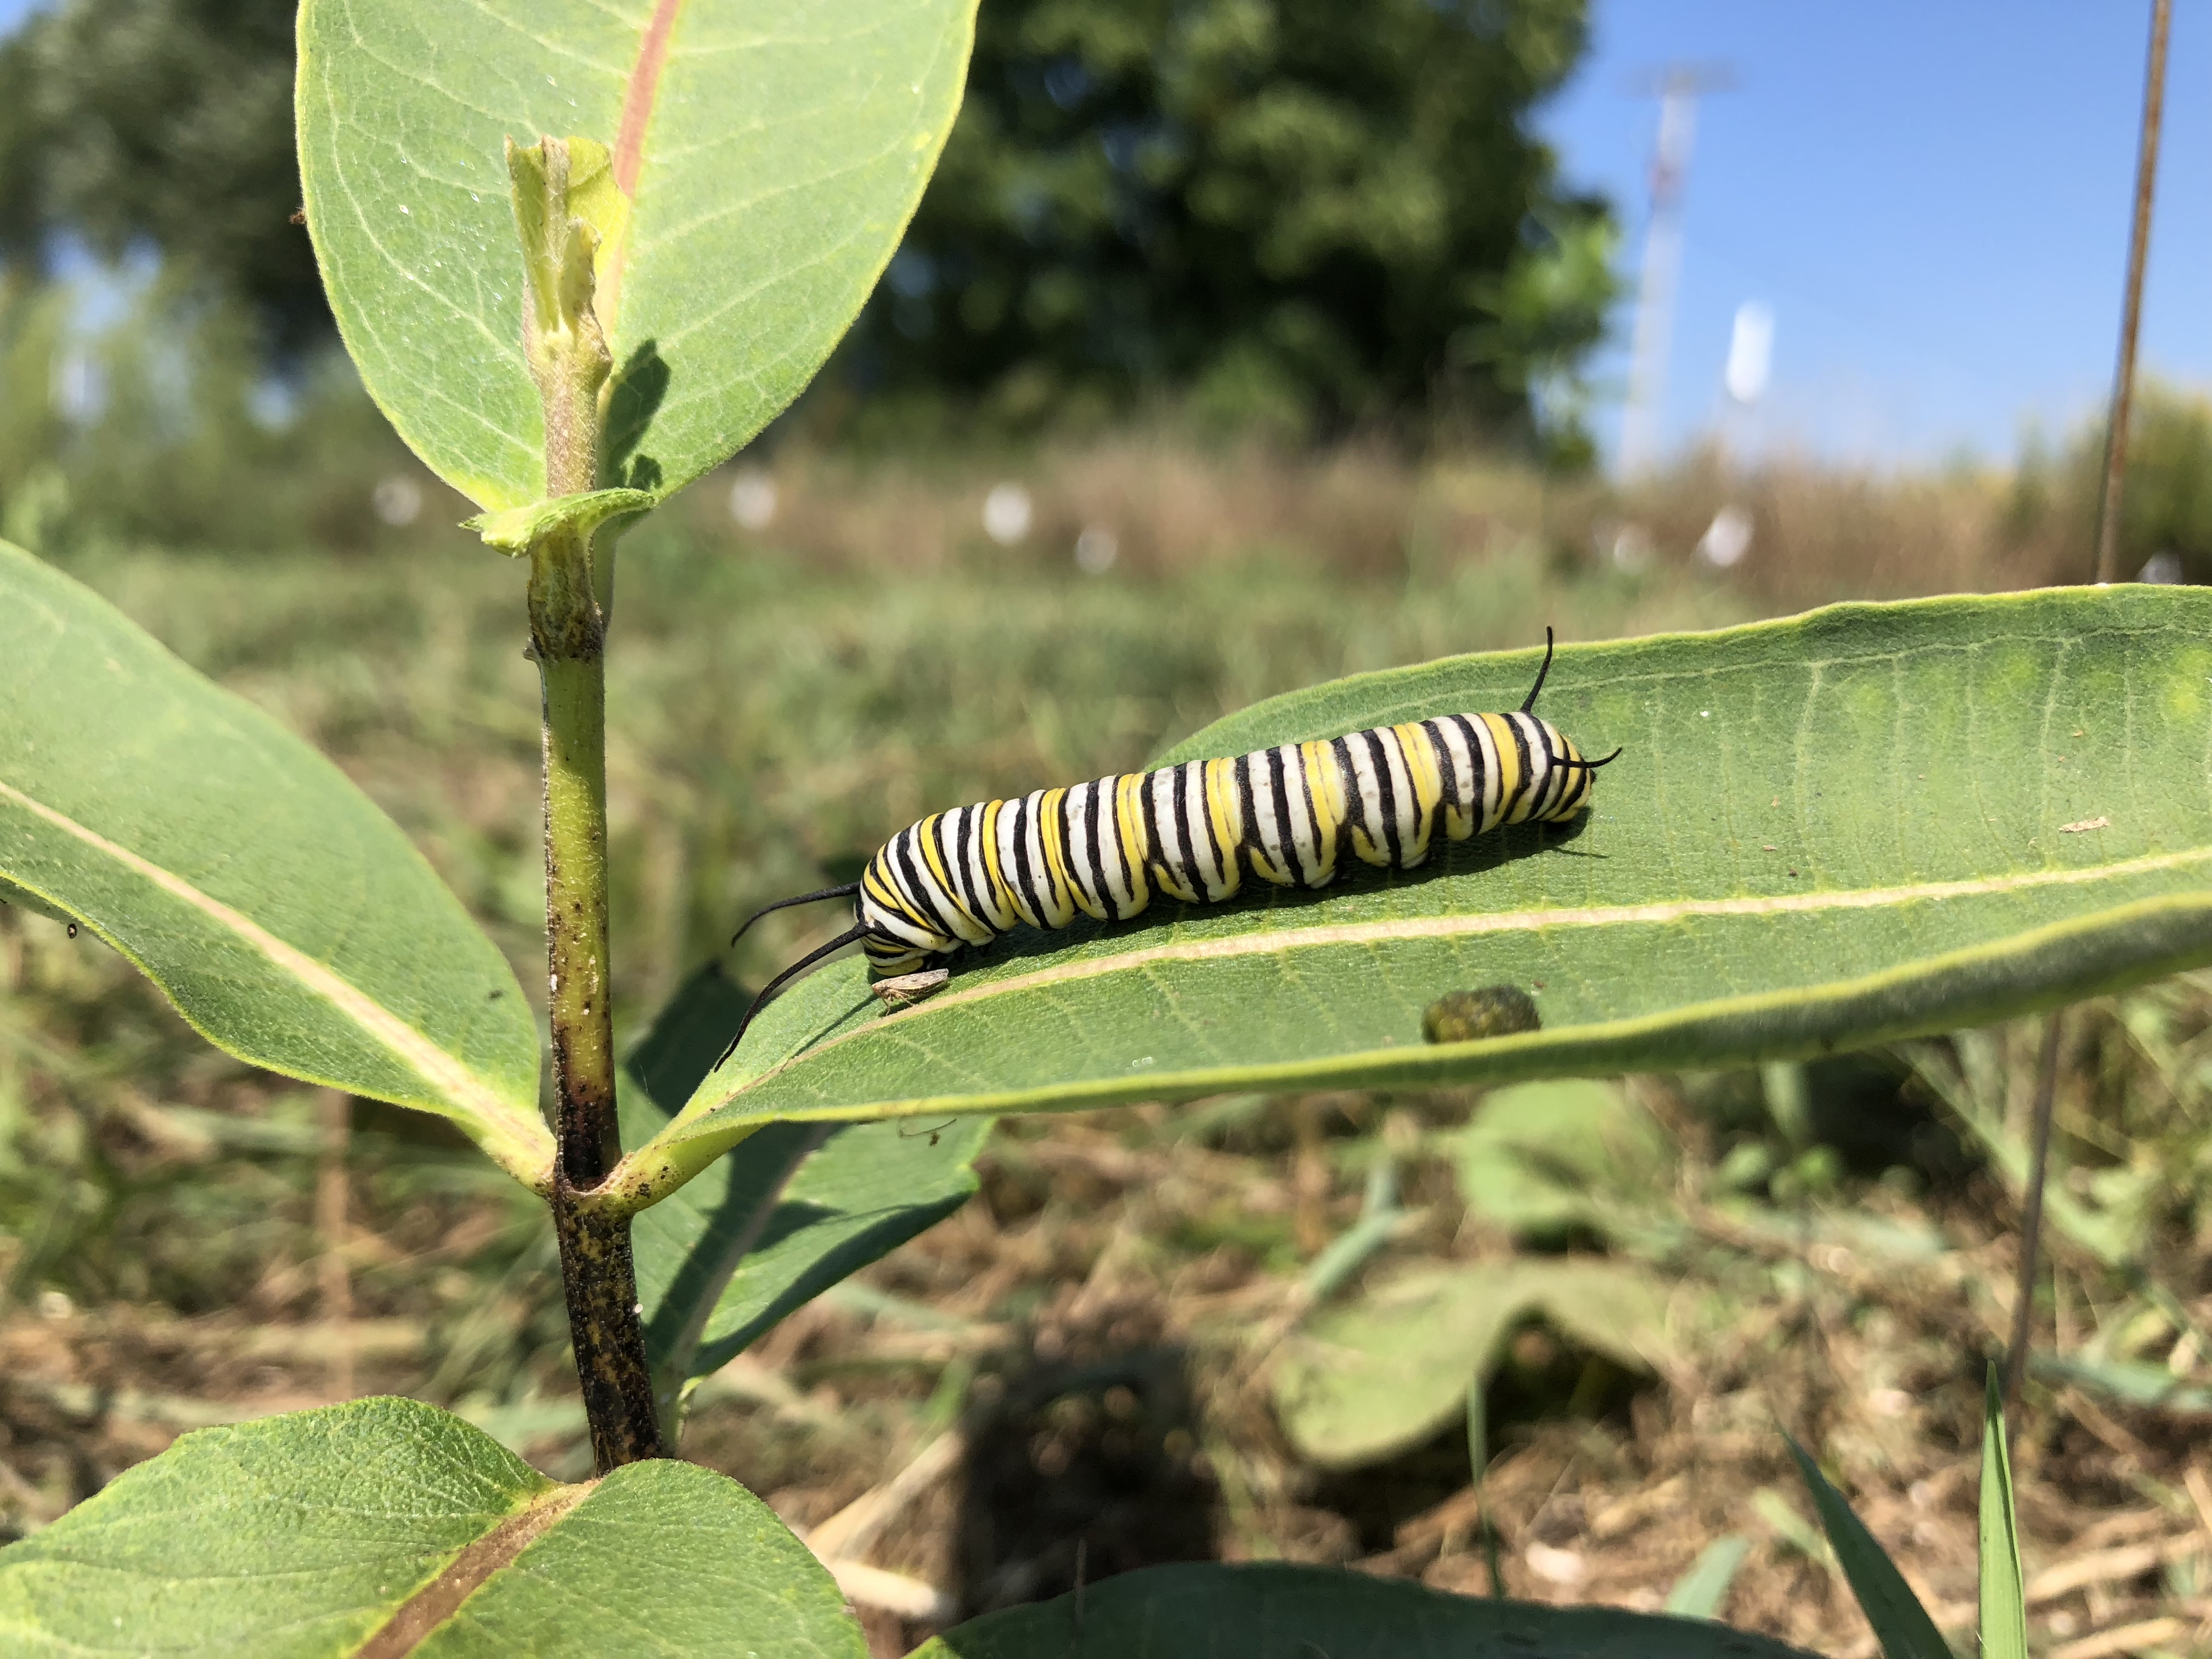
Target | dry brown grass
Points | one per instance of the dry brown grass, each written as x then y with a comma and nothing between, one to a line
1821,534
1368,511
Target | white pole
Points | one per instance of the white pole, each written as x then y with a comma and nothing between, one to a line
1663,264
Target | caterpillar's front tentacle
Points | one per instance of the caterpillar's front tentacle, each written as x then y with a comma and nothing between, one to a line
785,978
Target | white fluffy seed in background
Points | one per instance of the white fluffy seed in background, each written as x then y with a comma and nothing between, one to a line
1007,513
752,498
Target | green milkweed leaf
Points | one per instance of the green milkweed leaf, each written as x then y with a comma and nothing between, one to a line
770,156
1838,829
289,920
1374,1376
1700,1592
314,1534
1206,1611
1543,1156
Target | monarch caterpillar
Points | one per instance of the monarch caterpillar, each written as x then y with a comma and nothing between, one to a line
1100,849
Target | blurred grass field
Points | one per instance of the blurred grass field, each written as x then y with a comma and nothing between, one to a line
183,1239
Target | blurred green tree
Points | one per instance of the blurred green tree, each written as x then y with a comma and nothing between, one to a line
2165,503
166,122
1296,211
1294,214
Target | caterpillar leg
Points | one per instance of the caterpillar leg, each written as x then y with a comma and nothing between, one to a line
909,988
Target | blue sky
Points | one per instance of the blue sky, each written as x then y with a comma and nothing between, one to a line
1932,197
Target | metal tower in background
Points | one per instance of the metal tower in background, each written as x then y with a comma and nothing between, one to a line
1678,87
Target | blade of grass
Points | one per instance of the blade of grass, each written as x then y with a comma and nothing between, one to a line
1478,1452
1900,1623
2150,1387
1380,1216
2003,1598
1698,1593
1792,1529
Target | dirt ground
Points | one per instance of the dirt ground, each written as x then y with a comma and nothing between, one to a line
1068,1378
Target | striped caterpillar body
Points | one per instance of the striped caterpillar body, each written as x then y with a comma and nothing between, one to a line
1191,831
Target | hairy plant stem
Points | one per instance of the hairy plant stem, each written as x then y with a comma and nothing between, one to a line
595,1272
568,358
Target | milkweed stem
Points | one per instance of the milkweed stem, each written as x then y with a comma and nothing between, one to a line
570,360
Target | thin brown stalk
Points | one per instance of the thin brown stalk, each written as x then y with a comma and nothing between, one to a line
2124,379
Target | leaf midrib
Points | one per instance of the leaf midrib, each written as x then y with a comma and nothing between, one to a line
1282,940
434,1606
444,1072
640,92
641,97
